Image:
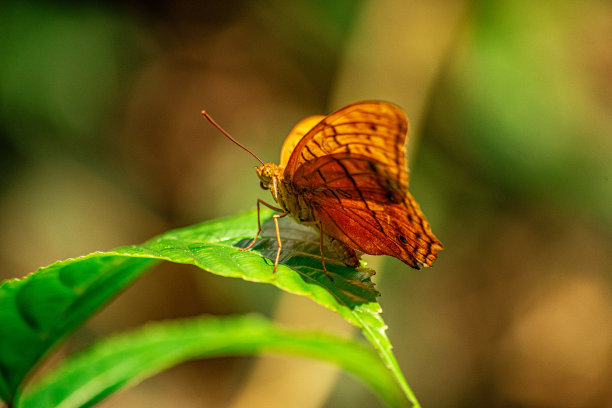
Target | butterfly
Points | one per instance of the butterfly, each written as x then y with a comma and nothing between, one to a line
345,175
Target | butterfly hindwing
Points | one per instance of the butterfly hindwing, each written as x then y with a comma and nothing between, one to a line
381,232
357,204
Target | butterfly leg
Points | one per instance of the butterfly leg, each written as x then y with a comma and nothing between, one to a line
322,257
260,201
318,225
280,244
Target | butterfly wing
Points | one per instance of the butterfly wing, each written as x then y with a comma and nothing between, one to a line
296,134
351,169
371,129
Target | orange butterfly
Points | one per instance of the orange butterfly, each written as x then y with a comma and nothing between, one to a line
345,174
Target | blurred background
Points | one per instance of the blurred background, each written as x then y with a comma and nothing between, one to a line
102,145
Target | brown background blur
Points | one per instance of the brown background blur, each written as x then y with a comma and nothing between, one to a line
102,144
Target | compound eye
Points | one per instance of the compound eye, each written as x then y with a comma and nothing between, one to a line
261,184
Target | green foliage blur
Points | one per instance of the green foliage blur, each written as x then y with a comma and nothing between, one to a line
102,144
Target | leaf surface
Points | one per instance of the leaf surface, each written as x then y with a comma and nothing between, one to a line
129,358
40,309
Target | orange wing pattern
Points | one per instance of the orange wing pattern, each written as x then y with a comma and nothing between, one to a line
351,168
372,129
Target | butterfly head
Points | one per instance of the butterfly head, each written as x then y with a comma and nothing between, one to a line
265,173
268,175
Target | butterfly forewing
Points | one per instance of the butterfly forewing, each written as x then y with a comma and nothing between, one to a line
372,129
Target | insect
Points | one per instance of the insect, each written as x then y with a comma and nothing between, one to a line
345,175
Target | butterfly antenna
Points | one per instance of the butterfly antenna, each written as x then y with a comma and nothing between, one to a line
215,124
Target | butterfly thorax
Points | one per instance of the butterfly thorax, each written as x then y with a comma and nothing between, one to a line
272,177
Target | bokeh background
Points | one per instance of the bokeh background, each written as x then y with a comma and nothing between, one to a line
102,144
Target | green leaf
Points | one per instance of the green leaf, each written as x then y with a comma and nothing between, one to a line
40,309
129,358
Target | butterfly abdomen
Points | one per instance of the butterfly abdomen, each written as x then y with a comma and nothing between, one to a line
297,204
